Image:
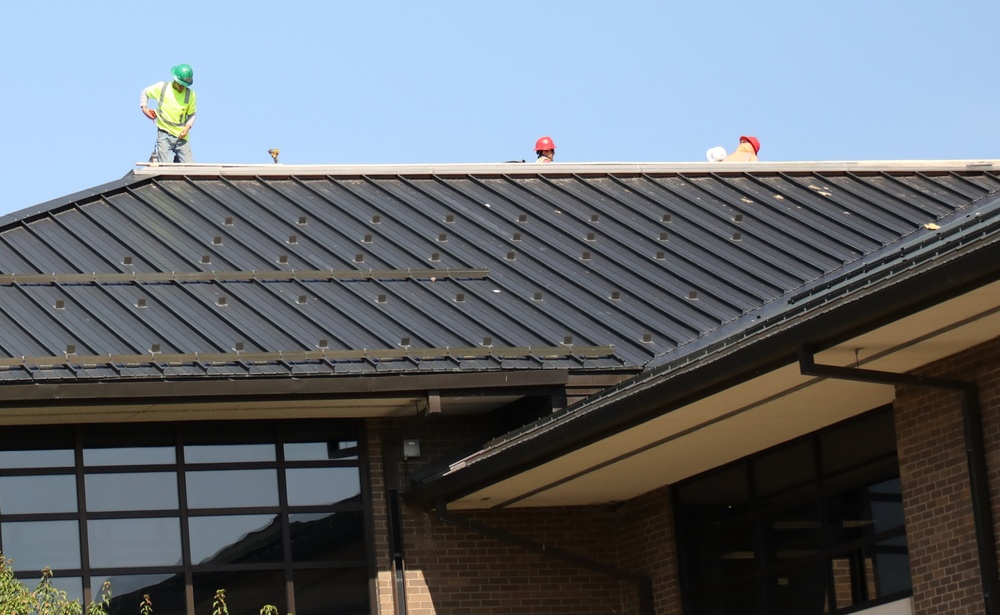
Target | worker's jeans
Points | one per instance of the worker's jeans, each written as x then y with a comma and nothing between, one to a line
172,149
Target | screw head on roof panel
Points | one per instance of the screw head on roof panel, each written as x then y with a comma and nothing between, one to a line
127,261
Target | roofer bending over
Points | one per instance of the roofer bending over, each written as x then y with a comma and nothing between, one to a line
545,149
174,115
746,151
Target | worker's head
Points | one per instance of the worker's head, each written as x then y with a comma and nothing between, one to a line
183,75
754,143
544,144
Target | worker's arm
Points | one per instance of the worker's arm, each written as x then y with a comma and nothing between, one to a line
187,126
143,100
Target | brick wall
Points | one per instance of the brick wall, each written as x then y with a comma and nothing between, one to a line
645,543
936,490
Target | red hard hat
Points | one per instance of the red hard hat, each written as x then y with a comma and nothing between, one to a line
544,143
752,141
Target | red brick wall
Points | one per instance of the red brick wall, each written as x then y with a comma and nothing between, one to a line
646,545
936,492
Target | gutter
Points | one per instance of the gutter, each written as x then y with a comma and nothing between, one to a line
974,447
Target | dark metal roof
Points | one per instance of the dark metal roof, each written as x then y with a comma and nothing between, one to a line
189,272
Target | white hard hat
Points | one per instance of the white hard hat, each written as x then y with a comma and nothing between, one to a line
716,154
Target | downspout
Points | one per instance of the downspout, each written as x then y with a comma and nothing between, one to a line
643,584
974,448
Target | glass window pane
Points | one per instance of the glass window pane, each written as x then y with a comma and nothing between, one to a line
321,486
321,451
858,442
36,544
132,491
792,534
246,590
800,589
37,459
130,456
228,453
73,586
38,494
120,543
740,598
166,593
721,557
715,498
342,591
232,488
328,537
784,468
235,539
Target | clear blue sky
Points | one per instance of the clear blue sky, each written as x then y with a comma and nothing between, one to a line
465,81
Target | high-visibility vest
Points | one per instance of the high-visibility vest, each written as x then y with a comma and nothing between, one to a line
174,108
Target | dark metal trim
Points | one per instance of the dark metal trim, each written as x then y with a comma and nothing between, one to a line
974,447
302,275
643,584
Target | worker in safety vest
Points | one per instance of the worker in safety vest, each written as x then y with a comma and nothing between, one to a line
174,115
545,149
746,151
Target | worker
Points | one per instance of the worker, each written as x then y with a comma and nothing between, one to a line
746,151
174,115
545,149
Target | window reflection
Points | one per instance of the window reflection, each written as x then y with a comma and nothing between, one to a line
246,590
135,491
166,593
228,453
37,544
232,488
341,591
130,456
37,459
121,543
37,494
235,539
327,537
321,451
319,486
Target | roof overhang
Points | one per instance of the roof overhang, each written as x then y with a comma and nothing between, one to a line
741,391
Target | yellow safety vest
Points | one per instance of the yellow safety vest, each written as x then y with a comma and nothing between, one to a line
174,108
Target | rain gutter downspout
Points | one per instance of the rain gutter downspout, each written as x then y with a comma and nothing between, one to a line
643,584
974,449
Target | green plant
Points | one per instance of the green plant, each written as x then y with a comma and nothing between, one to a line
15,599
219,606
269,609
49,600
146,606
101,608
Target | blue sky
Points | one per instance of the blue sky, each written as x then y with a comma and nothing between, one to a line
441,81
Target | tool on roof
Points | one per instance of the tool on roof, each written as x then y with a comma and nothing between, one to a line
274,153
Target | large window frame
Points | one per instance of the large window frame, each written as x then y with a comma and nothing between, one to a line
229,479
813,525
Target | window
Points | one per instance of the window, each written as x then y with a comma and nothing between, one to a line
814,526
272,512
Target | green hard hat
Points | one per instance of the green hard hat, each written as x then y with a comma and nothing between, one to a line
183,74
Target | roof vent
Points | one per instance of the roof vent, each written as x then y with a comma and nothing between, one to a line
595,218
522,218
155,348
537,297
70,349
206,259
368,238
693,295
359,258
302,300
449,218
511,256
591,237
376,219
738,218
293,239
737,237
228,221
666,218
221,301
615,295
404,342
435,257
664,236
647,338
488,341
238,346
443,237
217,240
568,340
585,256
515,237
380,299
322,344
282,259
303,221
460,298
661,255
60,304
127,261
140,302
